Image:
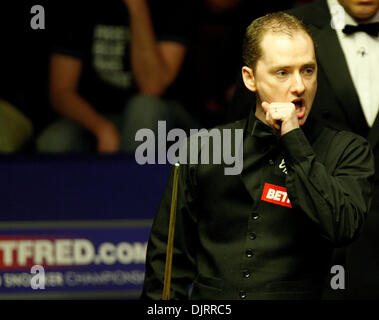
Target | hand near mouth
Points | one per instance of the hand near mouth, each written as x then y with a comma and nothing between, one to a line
281,116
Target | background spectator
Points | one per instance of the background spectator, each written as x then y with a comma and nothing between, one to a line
112,72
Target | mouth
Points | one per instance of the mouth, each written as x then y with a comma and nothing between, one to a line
300,107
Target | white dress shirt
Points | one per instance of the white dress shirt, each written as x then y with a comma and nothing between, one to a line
362,56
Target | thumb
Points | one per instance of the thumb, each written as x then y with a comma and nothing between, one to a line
265,106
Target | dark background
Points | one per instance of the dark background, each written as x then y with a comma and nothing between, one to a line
216,44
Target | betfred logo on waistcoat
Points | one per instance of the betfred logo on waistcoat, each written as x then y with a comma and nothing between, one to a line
275,194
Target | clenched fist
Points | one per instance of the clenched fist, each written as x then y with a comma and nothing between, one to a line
282,116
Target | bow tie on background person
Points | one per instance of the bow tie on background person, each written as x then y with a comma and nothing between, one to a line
370,28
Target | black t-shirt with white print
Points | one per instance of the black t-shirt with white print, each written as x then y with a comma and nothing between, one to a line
98,32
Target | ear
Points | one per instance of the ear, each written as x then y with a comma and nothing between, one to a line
248,78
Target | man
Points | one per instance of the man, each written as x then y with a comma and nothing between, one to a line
112,71
341,64
269,232
347,99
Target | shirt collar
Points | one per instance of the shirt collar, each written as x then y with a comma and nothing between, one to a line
257,128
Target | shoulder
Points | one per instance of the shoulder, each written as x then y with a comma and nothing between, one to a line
353,143
343,150
341,137
312,13
222,131
239,124
346,145
331,142
346,137
217,151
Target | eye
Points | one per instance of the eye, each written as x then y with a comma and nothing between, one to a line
282,73
308,71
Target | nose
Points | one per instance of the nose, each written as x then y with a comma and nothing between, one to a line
298,86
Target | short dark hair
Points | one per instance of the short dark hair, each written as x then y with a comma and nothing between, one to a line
275,22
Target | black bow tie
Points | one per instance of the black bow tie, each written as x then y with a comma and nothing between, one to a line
370,28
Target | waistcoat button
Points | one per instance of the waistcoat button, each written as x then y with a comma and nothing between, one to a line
243,294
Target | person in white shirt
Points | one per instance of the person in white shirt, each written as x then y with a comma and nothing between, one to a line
361,49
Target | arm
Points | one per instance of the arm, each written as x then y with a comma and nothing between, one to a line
155,64
338,199
183,268
64,78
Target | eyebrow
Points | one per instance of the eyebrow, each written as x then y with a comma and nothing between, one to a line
311,64
307,65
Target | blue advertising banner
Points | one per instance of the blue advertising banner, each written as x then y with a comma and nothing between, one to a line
84,219
79,187
72,259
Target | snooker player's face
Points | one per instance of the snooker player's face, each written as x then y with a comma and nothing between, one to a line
286,72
